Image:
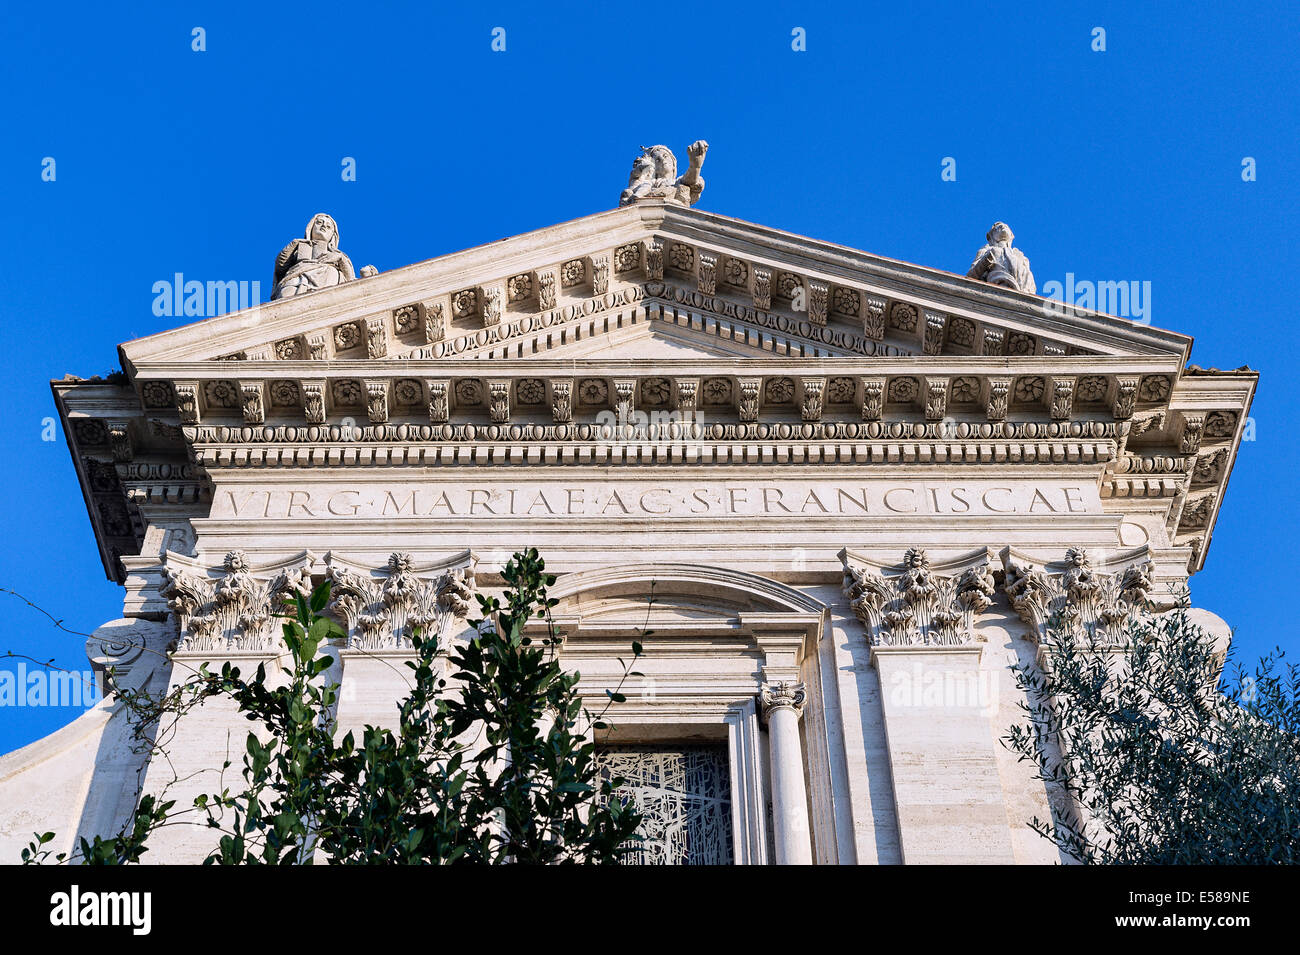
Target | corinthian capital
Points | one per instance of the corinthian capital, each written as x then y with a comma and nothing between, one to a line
775,695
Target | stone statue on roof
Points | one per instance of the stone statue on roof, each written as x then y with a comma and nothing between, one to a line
312,262
654,176
999,264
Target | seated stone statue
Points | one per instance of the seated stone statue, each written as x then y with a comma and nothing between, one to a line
654,176
999,264
313,262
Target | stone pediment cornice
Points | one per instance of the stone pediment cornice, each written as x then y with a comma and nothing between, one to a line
679,256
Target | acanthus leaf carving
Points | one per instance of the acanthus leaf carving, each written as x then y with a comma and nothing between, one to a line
999,394
439,407
654,260
376,338
748,405
492,302
235,611
252,402
187,401
377,400
707,277
762,287
818,301
916,606
813,391
873,399
562,400
1125,398
119,440
383,612
600,274
547,284
1193,428
313,401
1062,398
873,319
993,342
936,324
500,396
435,322
1078,602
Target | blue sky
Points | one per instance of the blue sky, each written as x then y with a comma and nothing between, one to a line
1116,165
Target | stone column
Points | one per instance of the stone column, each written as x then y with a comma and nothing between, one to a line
782,703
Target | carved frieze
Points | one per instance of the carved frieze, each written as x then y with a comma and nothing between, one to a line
1220,424
1209,467
1197,513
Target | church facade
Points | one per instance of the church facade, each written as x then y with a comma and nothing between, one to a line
845,493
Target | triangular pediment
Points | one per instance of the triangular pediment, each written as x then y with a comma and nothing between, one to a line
555,291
